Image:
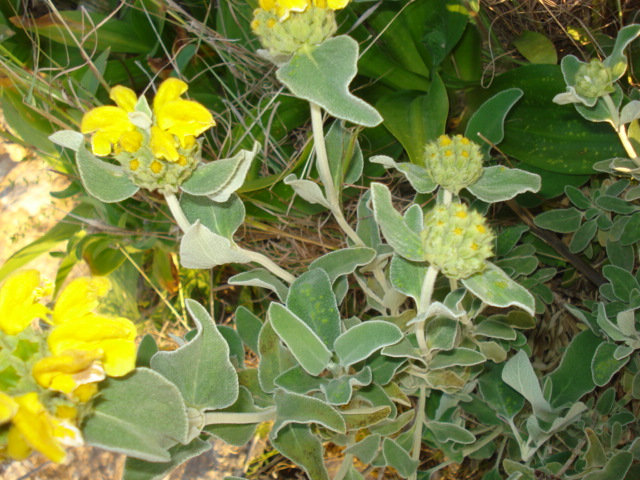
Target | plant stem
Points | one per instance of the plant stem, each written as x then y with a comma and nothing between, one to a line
176,211
621,130
243,418
344,467
423,303
417,433
324,171
269,264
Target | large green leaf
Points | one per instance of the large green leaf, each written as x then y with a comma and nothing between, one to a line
497,394
312,300
303,342
361,341
141,415
136,469
222,218
496,288
519,375
322,75
416,119
201,369
400,236
547,136
298,444
93,30
486,126
572,379
108,183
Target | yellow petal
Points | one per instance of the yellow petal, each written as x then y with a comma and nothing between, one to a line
36,427
184,118
168,91
8,408
85,392
106,119
18,307
67,371
80,297
17,446
163,144
337,4
113,338
124,97
102,142
131,141
268,4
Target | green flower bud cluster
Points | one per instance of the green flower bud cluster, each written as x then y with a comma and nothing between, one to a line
594,80
457,240
453,162
299,30
155,173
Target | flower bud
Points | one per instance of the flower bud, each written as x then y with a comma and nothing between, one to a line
594,80
156,173
299,30
453,163
456,240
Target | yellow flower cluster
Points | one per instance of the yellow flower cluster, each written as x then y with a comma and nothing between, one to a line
285,27
282,8
158,148
50,371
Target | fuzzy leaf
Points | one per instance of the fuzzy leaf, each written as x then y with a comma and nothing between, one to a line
200,248
498,184
201,369
108,183
361,341
322,75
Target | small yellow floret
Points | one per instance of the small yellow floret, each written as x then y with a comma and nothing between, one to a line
465,154
156,167
458,231
134,164
444,140
481,228
461,214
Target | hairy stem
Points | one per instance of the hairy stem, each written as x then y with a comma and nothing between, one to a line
621,130
269,264
324,170
176,211
417,432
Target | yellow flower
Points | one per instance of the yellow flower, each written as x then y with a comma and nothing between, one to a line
69,370
33,428
177,121
282,8
79,298
8,408
18,302
111,125
112,338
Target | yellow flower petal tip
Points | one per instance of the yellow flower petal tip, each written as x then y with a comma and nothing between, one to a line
18,302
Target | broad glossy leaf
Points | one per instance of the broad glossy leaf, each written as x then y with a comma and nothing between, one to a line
201,369
323,75
531,132
487,123
416,119
361,341
108,183
303,342
572,379
141,415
